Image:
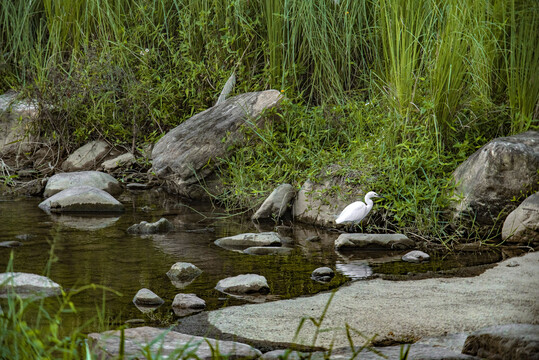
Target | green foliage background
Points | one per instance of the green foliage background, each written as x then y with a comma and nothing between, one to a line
400,91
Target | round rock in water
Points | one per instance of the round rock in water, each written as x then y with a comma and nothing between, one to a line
187,304
81,199
146,297
416,256
183,273
26,285
244,284
323,274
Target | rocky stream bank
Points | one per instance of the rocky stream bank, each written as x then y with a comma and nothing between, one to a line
496,187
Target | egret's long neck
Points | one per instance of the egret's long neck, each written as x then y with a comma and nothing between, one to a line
369,202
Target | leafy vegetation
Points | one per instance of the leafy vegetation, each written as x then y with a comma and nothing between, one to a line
398,92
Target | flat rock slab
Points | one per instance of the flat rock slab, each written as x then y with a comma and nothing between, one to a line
396,310
249,240
106,345
511,341
81,199
96,179
26,285
389,241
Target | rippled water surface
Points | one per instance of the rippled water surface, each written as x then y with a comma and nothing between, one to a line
97,250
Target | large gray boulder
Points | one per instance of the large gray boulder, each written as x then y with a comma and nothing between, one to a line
106,345
81,199
26,285
522,224
316,205
96,179
243,284
389,241
86,157
119,161
275,205
510,341
186,155
489,180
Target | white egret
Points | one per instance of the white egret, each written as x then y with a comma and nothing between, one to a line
356,211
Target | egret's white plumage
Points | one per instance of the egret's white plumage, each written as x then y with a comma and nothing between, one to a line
356,211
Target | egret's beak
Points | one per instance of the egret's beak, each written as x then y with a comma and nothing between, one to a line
383,197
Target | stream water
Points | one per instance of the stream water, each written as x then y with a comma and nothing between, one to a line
75,251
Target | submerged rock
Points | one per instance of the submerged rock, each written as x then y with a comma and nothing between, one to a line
522,225
275,205
106,345
244,284
86,157
186,155
81,199
10,244
268,250
390,241
96,179
511,341
490,178
26,285
146,228
416,256
187,304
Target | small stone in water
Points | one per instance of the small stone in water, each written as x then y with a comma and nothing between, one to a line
146,297
416,256
323,274
10,244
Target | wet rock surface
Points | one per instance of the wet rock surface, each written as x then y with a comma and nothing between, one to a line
268,250
323,274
